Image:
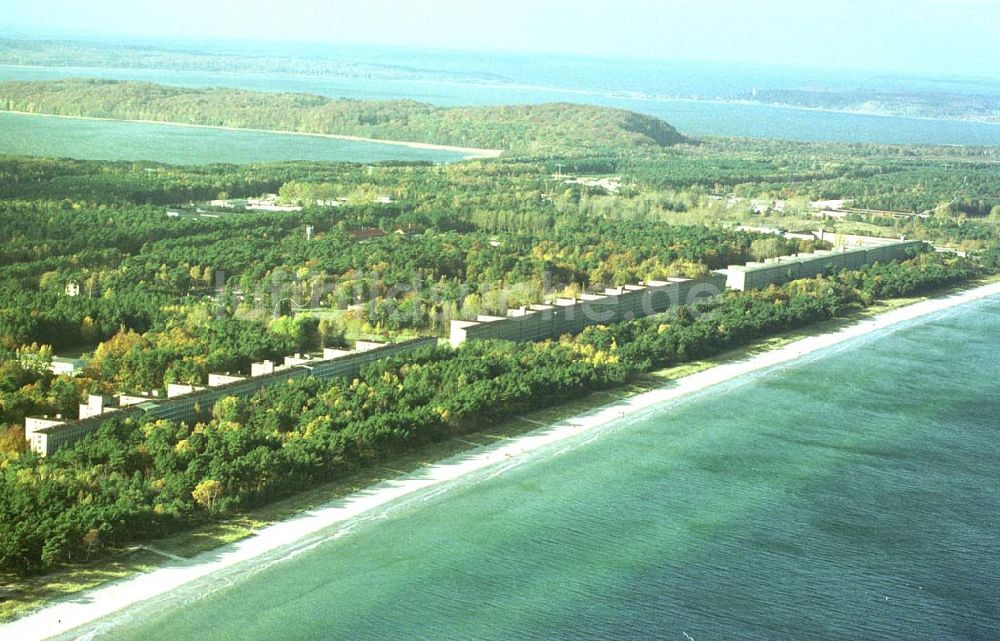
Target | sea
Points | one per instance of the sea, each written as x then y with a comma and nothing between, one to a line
852,494
35,135
700,99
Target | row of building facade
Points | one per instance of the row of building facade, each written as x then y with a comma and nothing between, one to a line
187,402
531,323
572,315
778,271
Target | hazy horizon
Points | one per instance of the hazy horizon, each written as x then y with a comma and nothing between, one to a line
923,37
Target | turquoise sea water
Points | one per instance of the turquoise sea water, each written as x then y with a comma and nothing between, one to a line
28,135
852,495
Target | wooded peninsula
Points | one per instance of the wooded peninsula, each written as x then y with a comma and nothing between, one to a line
528,129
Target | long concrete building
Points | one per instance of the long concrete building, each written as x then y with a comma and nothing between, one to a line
536,322
45,435
572,315
778,271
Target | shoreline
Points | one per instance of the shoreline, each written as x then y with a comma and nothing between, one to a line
470,153
612,95
87,607
856,112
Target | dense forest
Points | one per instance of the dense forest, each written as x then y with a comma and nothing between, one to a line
128,481
169,299
534,129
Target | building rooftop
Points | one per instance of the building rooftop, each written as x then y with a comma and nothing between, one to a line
797,258
367,234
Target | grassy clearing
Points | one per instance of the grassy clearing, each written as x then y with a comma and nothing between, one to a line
19,596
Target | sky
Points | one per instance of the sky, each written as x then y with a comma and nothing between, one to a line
918,36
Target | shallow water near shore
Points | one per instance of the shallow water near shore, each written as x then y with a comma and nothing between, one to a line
850,495
37,135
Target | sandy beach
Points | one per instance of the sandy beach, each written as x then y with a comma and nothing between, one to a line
470,153
79,610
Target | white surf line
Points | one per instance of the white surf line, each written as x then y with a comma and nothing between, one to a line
87,607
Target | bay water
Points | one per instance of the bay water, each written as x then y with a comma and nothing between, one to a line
34,135
700,99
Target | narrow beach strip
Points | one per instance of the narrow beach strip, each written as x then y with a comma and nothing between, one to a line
88,607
